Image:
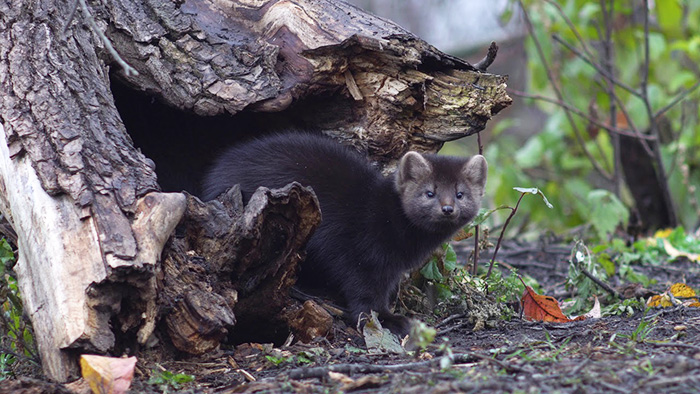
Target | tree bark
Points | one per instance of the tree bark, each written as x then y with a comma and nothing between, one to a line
90,218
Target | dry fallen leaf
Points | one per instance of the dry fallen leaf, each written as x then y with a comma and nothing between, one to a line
677,294
462,235
109,375
537,307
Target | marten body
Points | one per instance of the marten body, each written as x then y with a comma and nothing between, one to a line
373,228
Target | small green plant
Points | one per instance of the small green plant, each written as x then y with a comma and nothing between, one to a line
640,334
647,367
523,192
439,268
354,349
421,336
279,359
310,356
6,361
506,289
166,379
626,307
17,335
582,269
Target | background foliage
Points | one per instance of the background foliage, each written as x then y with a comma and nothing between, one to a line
554,159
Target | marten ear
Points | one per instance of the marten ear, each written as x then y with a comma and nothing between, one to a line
413,167
475,171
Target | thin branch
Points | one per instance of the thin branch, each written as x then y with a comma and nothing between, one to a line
571,27
682,95
602,284
503,231
128,70
477,227
552,80
610,89
484,63
583,115
596,66
635,132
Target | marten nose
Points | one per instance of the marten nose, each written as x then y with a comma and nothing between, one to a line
447,210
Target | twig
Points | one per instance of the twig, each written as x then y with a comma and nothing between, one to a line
674,344
666,382
610,88
596,66
450,329
682,95
602,284
560,96
611,386
571,26
128,70
583,115
322,372
484,63
477,227
450,318
578,368
468,357
503,231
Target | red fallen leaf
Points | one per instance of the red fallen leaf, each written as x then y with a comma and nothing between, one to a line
537,307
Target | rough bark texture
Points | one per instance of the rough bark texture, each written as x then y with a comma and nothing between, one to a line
84,201
239,262
387,91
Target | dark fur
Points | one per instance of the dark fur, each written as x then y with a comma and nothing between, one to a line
373,228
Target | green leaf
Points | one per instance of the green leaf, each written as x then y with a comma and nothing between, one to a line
684,242
450,262
670,14
534,190
607,212
431,270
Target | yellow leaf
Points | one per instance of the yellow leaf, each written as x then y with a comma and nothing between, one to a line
663,233
682,290
662,300
108,375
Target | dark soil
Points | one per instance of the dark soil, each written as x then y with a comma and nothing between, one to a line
645,353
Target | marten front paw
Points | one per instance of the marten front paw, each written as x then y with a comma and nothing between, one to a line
399,325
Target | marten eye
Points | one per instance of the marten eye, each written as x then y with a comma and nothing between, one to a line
430,194
460,195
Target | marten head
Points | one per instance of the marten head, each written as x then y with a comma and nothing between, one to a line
440,193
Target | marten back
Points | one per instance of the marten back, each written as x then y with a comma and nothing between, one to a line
276,160
373,228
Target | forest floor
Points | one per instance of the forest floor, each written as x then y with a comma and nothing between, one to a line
652,352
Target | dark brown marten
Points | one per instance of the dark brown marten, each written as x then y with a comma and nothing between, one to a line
373,228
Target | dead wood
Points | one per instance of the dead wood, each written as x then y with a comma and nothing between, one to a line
85,202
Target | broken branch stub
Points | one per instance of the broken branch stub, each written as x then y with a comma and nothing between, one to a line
231,267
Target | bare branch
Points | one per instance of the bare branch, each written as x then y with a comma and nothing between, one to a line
595,65
484,63
682,95
557,91
582,114
128,70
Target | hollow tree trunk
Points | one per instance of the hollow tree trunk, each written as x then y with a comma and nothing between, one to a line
85,204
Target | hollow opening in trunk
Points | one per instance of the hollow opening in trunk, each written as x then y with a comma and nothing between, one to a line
183,144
